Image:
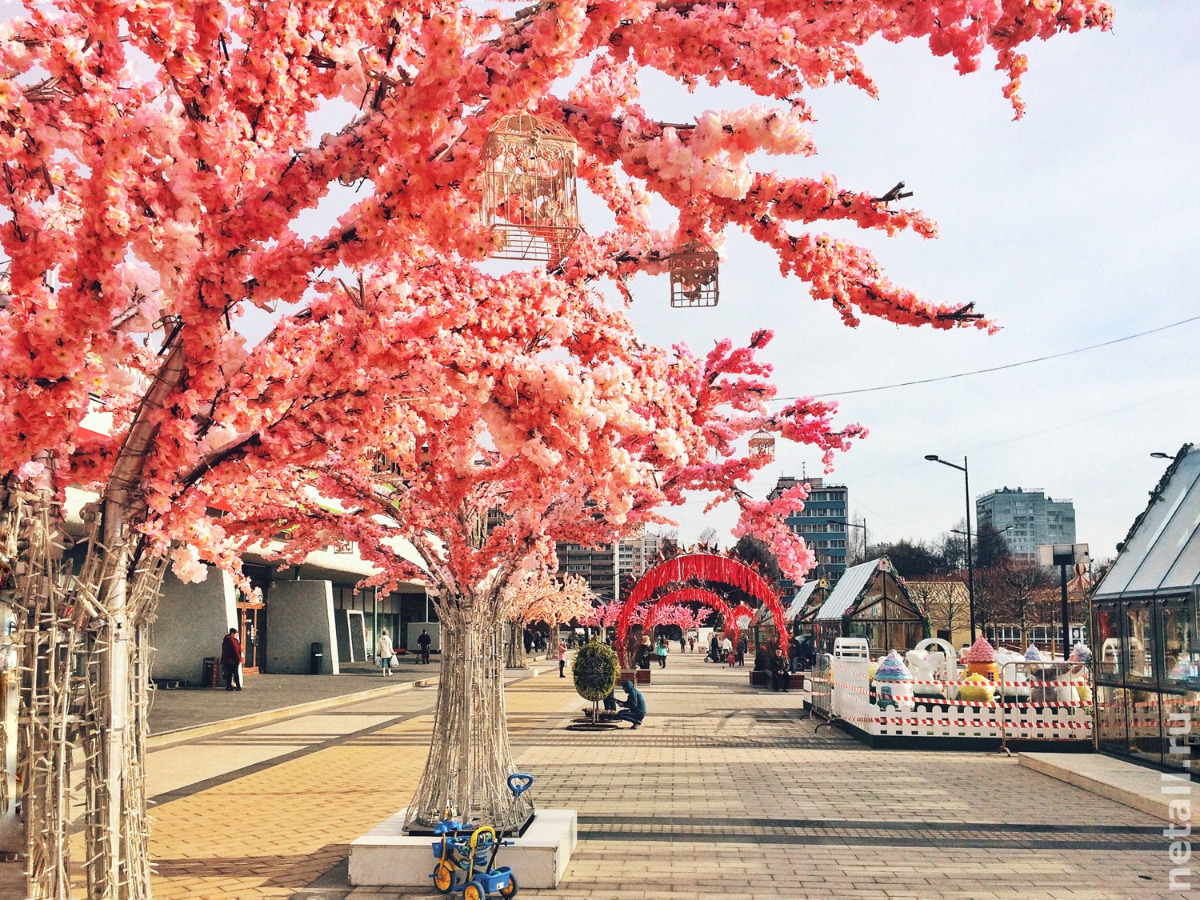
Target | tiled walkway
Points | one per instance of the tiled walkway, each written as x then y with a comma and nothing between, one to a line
725,792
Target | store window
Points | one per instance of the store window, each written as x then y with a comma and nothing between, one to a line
1139,641
1108,643
1181,651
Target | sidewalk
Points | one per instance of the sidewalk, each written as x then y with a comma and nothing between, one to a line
172,710
725,792
276,696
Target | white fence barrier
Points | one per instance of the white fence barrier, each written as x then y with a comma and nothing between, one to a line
1041,710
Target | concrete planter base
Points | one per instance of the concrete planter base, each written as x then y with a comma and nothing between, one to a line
387,857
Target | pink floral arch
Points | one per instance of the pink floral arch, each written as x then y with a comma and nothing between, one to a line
703,567
702,596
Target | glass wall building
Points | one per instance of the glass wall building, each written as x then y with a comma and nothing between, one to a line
1028,519
1144,627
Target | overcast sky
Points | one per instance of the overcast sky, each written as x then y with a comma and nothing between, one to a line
1075,226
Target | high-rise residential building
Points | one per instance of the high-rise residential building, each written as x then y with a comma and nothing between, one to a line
595,565
1027,519
637,553
822,522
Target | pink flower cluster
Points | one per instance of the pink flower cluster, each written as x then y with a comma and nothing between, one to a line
158,161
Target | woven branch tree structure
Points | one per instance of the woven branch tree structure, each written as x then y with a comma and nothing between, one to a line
68,697
471,757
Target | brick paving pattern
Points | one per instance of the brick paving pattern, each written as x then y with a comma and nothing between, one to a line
725,792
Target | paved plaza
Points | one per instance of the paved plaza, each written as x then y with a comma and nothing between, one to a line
725,792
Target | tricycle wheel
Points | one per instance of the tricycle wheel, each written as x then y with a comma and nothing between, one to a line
510,889
443,877
475,891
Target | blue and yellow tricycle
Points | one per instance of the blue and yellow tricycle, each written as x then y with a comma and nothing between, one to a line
466,856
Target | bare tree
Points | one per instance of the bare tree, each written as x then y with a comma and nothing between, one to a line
945,601
1023,584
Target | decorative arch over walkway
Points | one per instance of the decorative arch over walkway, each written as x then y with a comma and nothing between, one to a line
704,567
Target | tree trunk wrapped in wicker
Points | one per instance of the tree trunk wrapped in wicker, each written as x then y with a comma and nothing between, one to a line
470,758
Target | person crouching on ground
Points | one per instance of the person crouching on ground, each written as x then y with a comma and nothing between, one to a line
780,676
634,703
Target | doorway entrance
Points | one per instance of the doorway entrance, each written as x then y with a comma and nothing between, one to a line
252,619
252,622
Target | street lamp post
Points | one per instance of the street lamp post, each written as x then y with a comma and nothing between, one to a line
933,457
863,526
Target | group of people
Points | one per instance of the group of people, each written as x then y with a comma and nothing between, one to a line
723,649
386,651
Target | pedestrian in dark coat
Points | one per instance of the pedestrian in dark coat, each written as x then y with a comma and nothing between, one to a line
779,672
423,643
231,660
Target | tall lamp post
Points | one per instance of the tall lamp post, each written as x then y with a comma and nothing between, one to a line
863,526
933,457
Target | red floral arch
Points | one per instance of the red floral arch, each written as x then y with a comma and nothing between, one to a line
736,613
699,567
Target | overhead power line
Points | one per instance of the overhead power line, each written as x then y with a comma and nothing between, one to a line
1013,365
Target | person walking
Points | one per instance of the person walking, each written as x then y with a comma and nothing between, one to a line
562,658
727,650
742,645
231,660
661,652
423,643
634,703
384,649
714,648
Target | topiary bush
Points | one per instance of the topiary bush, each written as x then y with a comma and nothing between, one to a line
595,671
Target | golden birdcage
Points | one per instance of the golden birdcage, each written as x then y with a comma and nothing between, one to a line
529,191
694,276
762,444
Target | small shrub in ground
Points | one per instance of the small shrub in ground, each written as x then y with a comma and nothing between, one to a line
595,671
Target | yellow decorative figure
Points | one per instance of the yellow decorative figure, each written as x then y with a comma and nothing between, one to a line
976,689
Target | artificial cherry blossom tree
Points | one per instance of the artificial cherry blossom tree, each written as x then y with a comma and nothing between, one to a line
541,597
524,412
161,167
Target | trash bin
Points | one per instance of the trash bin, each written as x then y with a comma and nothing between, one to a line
212,674
317,658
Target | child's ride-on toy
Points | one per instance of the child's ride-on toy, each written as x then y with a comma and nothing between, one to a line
466,857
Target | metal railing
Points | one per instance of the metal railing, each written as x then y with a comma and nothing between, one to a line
821,696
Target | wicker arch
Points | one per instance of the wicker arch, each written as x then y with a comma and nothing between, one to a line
702,567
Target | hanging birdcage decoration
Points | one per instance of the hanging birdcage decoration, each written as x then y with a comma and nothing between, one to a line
529,192
762,444
694,276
